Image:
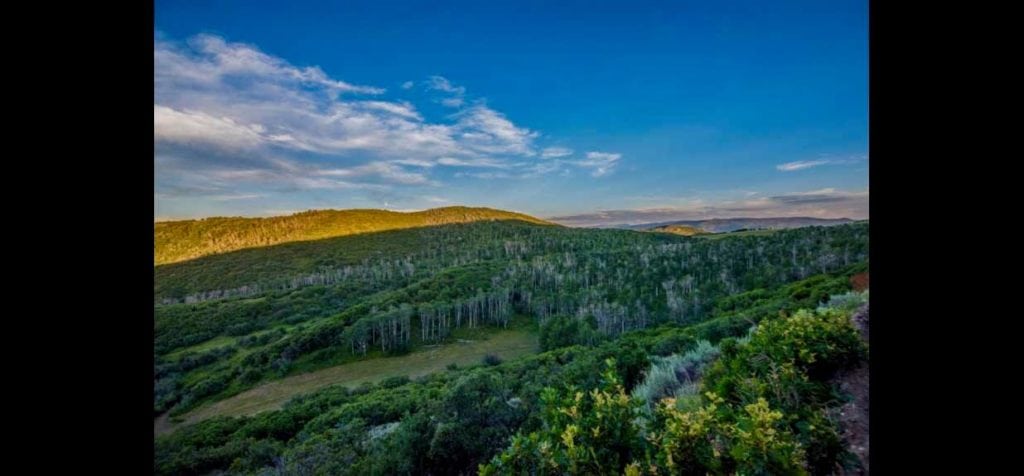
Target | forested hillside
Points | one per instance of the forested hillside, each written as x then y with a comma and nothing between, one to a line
451,422
233,321
187,239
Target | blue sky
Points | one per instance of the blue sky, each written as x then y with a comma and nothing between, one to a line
583,111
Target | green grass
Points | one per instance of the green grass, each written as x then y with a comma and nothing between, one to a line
219,341
507,344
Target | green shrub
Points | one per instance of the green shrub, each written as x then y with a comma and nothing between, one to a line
491,360
392,382
764,412
688,442
675,375
847,301
585,433
563,331
762,444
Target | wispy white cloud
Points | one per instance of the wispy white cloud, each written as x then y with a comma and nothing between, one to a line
416,162
663,198
480,162
806,164
232,93
485,130
453,102
400,109
237,196
230,119
555,152
800,165
456,96
545,168
385,170
199,127
279,180
440,83
212,60
485,175
601,162
236,87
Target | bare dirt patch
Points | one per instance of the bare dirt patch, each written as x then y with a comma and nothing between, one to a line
853,416
859,281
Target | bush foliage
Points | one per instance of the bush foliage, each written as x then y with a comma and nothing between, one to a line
761,412
672,313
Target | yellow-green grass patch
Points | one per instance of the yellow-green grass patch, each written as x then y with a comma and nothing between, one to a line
219,341
506,344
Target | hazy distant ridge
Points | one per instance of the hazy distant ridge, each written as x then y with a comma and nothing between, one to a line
724,225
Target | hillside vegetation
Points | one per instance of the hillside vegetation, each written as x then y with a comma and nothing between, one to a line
763,407
505,344
234,329
187,239
295,312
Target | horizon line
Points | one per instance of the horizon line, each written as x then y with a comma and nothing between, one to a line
157,219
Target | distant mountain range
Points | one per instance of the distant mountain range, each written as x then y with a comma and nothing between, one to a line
724,225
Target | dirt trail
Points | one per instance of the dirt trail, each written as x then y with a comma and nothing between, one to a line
853,415
162,424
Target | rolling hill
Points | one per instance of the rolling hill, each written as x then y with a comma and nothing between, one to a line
176,241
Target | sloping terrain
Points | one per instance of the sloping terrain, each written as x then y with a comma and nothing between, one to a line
176,241
451,422
853,416
247,317
296,357
505,344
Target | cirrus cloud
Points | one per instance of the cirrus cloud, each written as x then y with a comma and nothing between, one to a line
601,162
806,164
800,165
554,152
233,121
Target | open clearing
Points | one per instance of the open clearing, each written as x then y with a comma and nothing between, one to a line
507,344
